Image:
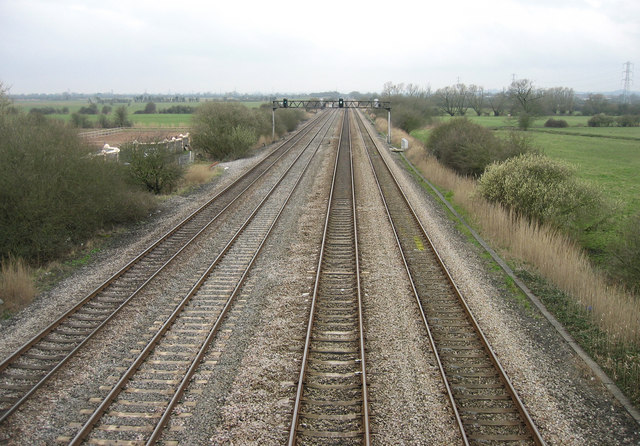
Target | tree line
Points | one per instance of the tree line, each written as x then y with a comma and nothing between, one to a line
414,106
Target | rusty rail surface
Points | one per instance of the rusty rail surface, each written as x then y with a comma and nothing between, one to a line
485,404
331,400
164,367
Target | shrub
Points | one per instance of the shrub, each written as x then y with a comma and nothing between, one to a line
286,120
628,120
409,112
408,119
153,166
121,118
92,109
52,194
80,121
150,108
525,120
545,191
103,121
224,131
557,123
600,120
469,148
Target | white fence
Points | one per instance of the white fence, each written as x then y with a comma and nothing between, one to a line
101,132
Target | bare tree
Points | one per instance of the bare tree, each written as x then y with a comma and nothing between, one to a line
560,100
461,99
5,102
453,100
476,98
525,95
498,102
446,100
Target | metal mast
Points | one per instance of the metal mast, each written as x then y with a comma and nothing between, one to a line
627,80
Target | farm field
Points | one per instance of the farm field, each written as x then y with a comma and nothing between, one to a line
138,120
612,164
606,156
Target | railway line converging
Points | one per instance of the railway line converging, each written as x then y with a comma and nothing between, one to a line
331,398
29,367
486,406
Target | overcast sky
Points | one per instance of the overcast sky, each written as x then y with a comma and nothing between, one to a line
157,46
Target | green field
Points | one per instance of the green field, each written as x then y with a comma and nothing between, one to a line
613,164
139,120
161,120
606,156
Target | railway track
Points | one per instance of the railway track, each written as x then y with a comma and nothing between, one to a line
331,404
141,403
487,408
28,368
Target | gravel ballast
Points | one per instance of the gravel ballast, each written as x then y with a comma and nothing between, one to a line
244,392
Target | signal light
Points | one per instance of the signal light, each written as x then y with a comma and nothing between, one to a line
285,103
340,102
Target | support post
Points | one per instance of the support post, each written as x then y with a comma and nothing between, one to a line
389,126
273,124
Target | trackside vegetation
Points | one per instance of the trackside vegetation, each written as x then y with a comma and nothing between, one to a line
56,195
545,191
227,131
577,249
53,194
153,166
469,148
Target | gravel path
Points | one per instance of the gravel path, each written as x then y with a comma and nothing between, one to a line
244,392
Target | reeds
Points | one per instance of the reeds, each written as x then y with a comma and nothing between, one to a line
16,284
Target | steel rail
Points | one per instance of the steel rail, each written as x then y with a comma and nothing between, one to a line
293,432
48,330
155,435
133,368
535,434
365,398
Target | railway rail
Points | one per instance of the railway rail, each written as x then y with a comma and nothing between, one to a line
487,408
141,403
29,367
331,402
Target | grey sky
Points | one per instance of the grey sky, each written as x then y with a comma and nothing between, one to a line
127,46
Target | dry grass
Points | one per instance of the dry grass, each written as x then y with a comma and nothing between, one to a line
17,288
552,254
197,174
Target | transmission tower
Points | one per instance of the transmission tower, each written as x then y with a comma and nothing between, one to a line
627,80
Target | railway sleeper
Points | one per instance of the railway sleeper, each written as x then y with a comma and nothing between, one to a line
43,357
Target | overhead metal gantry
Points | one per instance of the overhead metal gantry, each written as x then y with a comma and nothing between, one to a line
340,103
